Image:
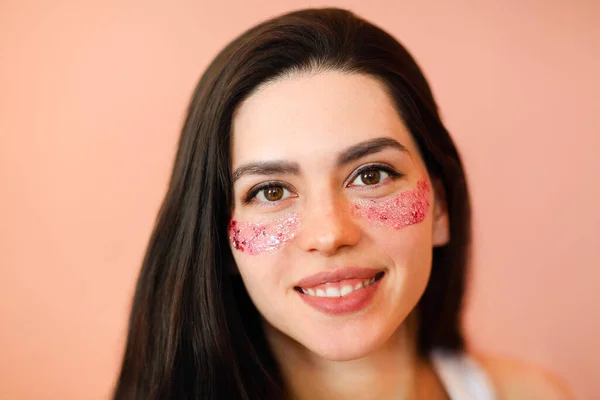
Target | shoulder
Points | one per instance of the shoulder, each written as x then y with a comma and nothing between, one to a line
514,379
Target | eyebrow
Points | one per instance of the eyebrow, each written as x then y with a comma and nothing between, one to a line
368,147
267,168
347,156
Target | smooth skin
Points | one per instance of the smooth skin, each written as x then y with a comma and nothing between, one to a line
295,131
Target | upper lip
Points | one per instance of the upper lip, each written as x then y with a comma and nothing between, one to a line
337,275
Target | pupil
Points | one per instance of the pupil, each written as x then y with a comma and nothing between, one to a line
371,177
274,193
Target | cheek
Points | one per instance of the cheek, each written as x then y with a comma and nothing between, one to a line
407,208
409,248
263,238
409,254
401,228
261,273
257,251
264,278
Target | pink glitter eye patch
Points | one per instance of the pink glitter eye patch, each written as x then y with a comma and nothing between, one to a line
406,208
252,238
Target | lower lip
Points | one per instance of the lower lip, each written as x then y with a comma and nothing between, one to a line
351,303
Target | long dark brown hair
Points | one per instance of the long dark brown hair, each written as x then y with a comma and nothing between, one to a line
193,331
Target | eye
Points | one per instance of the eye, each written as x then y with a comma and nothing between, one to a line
370,176
268,193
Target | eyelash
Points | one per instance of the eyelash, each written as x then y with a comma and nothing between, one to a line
393,174
251,196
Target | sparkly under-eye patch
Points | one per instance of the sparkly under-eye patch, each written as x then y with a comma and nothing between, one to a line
252,238
406,208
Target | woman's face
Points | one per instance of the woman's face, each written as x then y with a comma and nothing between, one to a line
335,215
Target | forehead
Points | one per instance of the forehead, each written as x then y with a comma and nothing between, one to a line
314,115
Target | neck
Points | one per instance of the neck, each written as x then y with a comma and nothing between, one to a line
393,371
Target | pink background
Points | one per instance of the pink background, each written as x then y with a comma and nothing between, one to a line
92,96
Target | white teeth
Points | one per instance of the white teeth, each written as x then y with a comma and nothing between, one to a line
346,289
335,292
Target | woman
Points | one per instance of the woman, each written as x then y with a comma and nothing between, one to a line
314,239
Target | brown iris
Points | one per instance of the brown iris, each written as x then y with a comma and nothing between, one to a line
371,177
273,193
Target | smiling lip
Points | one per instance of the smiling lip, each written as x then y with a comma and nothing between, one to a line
350,303
337,276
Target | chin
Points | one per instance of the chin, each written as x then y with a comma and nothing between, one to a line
347,344
342,353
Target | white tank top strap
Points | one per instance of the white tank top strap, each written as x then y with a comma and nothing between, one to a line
461,376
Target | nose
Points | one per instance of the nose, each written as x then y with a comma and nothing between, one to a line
328,227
